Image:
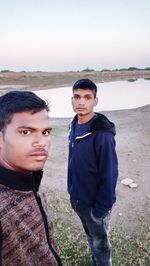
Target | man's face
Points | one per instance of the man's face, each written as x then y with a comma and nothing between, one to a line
83,101
24,145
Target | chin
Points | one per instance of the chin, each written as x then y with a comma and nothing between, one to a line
81,114
36,168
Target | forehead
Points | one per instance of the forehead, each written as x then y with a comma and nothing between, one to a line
28,119
83,92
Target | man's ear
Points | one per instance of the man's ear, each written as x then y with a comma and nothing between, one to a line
1,138
96,101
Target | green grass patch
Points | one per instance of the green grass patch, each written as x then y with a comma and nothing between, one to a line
127,250
130,250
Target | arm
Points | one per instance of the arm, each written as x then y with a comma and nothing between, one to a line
107,173
0,244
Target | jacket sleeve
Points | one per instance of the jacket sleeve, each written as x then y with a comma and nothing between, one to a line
49,220
0,244
107,173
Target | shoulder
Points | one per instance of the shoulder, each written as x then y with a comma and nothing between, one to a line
104,136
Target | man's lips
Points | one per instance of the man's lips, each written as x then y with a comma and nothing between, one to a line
80,108
39,153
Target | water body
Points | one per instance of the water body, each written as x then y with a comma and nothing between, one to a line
115,95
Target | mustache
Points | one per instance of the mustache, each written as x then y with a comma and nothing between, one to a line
39,151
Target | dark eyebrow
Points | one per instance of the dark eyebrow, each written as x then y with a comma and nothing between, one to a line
76,94
32,128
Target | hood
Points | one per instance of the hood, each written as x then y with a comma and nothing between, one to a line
101,122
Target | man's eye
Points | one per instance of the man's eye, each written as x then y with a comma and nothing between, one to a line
26,132
76,97
88,98
46,132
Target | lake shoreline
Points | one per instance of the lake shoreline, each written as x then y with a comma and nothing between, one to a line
47,80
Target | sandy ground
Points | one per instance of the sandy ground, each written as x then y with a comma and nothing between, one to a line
132,209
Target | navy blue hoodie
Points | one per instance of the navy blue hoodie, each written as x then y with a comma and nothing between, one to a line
93,165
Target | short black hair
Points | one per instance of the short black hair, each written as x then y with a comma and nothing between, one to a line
17,102
85,84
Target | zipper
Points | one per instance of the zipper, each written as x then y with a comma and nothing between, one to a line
77,139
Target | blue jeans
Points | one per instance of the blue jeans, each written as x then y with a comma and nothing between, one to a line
97,233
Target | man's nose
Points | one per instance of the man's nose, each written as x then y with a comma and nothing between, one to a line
40,141
81,101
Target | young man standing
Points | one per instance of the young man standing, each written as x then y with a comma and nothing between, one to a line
92,169
26,231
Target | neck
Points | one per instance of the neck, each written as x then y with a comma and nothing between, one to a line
85,118
15,169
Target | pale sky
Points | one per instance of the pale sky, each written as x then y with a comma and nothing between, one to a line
64,35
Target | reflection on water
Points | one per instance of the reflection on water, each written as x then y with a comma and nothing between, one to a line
112,96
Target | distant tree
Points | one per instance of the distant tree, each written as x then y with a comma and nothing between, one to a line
123,69
103,70
87,69
133,68
5,70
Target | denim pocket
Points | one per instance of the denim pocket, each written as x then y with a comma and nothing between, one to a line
95,219
77,206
